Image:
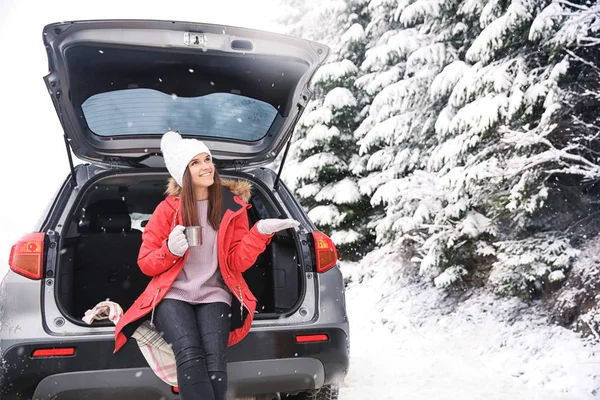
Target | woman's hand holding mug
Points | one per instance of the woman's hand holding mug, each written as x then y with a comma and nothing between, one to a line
177,242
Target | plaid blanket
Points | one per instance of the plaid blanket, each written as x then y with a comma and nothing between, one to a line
154,348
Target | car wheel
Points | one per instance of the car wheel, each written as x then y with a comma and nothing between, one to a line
327,392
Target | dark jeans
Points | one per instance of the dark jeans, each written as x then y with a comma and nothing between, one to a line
198,334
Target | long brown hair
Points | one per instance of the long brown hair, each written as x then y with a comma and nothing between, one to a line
189,209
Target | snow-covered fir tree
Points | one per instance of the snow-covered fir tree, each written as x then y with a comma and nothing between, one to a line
325,162
450,142
477,139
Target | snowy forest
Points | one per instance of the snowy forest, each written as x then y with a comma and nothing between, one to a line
463,135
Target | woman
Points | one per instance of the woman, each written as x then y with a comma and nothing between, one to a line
189,299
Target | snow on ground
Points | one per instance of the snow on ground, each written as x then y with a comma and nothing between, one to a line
412,341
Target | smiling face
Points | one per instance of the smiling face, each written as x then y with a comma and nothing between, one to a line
202,172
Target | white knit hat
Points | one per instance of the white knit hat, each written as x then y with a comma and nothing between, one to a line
178,152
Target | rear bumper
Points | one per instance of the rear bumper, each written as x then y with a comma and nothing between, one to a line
244,379
264,362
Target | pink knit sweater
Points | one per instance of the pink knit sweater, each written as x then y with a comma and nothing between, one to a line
200,281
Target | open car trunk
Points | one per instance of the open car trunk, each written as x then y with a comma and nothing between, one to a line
98,257
119,85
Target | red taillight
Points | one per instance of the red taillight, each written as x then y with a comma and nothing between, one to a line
62,352
175,389
325,251
321,337
27,255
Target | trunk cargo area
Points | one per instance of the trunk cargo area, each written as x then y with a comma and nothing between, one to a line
98,256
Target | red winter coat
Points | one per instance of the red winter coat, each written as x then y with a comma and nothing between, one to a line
237,248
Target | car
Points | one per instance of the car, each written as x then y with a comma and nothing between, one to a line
117,86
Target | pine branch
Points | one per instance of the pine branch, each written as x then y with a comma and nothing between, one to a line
573,225
575,56
568,3
579,121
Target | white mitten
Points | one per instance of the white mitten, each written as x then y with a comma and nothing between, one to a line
272,225
177,243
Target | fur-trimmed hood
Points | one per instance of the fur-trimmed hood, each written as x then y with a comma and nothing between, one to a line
237,187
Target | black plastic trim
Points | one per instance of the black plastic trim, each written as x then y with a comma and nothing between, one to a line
58,203
242,45
116,384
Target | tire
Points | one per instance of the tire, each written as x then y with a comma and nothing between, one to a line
327,392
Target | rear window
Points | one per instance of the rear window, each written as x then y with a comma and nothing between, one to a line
150,112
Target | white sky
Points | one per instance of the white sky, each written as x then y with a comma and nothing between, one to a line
33,159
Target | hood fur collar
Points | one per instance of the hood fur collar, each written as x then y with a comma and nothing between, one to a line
238,188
